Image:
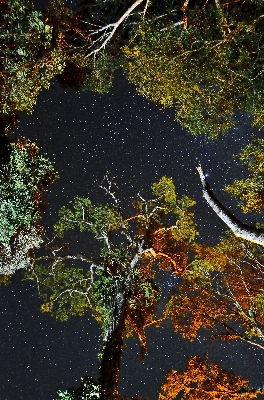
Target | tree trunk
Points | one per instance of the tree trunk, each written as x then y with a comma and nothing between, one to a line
239,229
113,348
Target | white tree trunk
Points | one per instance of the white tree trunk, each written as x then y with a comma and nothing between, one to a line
238,228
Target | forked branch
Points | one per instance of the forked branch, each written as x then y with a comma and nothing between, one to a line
113,27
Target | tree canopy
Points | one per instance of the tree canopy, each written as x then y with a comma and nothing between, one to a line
203,59
207,66
204,380
28,61
249,191
117,284
221,286
24,173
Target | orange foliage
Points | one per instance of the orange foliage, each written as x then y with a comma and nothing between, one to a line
141,308
204,381
169,253
220,290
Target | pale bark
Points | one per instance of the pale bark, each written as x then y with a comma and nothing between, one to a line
114,27
237,227
16,254
217,3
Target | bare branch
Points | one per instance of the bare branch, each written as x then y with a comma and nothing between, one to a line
58,259
117,204
85,294
145,9
172,26
114,26
238,228
218,5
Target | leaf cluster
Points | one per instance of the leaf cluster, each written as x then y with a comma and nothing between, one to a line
222,286
103,295
89,390
204,380
250,191
81,213
28,62
165,193
22,176
205,70
64,289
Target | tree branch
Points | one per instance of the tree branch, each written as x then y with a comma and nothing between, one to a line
217,3
115,26
238,228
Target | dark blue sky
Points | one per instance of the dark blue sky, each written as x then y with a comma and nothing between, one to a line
86,135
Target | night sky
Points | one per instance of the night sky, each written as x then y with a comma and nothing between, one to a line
87,135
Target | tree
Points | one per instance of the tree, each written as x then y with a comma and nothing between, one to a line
24,173
222,288
28,60
90,40
118,284
244,231
201,380
249,191
221,285
206,65
204,380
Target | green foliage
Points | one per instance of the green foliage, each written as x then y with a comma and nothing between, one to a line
29,62
122,273
24,81
165,190
64,289
205,70
165,193
250,191
146,293
117,258
210,259
103,297
89,390
16,254
5,279
81,213
259,299
109,283
22,178
101,68
186,227
94,73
